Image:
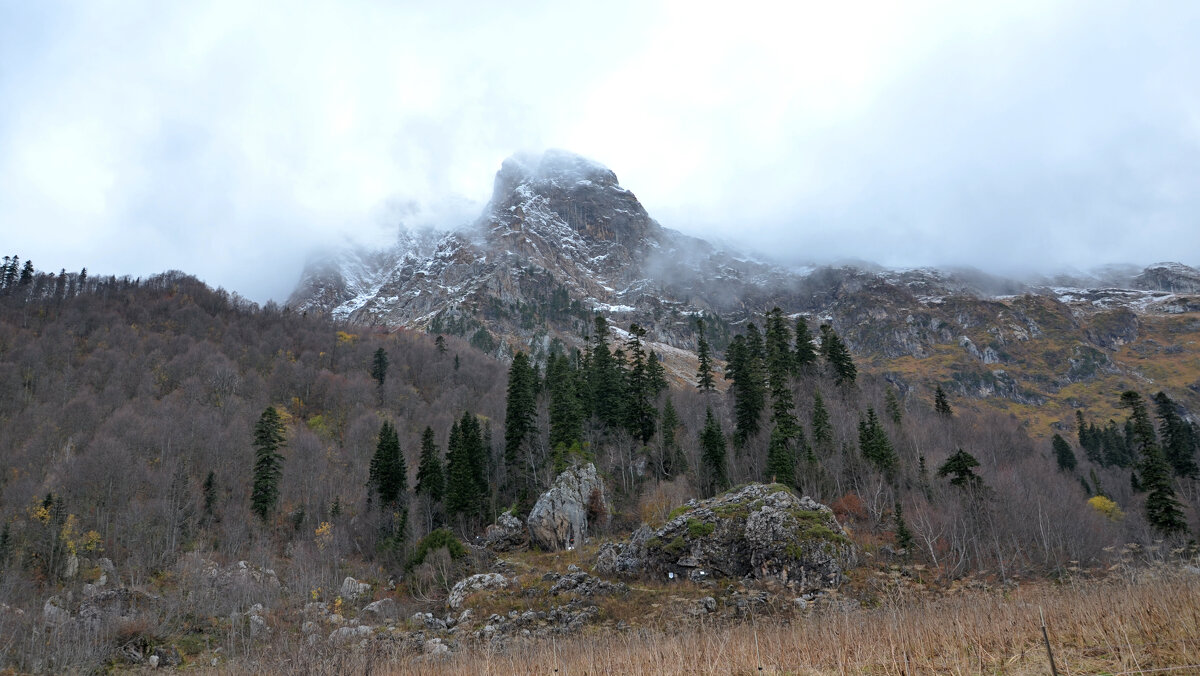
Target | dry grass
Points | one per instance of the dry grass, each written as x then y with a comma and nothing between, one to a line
1095,627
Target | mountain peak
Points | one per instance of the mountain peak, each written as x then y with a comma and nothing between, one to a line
560,168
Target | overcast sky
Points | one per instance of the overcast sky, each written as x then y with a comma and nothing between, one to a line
230,139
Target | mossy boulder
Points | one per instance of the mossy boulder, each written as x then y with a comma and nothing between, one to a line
758,531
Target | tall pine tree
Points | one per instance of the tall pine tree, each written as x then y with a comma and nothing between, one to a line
388,475
430,480
640,412
519,417
804,355
704,375
1178,438
715,476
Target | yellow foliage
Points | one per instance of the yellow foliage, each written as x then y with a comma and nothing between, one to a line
68,534
324,534
1106,507
92,542
344,338
40,514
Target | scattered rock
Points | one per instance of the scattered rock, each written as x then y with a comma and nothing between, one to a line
54,611
383,609
585,585
709,604
507,534
100,606
352,589
475,583
760,531
343,635
560,518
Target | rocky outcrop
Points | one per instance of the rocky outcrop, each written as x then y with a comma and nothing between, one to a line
378,611
562,515
763,532
353,589
470,585
508,534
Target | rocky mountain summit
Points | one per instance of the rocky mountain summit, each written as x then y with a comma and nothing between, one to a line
562,239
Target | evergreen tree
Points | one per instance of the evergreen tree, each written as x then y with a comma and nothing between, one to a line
656,374
440,343
566,409
781,459
1139,430
28,271
519,417
475,446
640,412
466,465
875,445
209,491
904,538
838,356
605,379
673,462
744,369
712,455
822,428
1178,438
1063,453
1163,511
379,366
779,370
429,469
804,355
961,465
268,438
704,375
940,403
388,476
892,405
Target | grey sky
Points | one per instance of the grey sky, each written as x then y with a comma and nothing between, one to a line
229,139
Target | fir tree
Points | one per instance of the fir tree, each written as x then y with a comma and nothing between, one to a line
1063,453
28,271
838,356
673,462
1178,438
744,368
430,481
704,375
605,379
875,445
712,454
822,428
656,374
1163,511
904,538
566,409
779,370
379,366
440,344
388,476
1139,430
961,465
804,355
268,463
781,459
209,492
891,404
640,412
460,484
941,404
520,413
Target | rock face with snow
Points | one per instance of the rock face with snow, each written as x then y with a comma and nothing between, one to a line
563,514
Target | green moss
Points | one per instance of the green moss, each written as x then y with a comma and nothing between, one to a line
732,511
698,529
677,511
675,546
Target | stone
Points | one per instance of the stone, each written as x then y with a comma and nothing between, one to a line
352,589
585,585
562,515
54,611
764,532
383,609
346,634
507,534
470,585
709,604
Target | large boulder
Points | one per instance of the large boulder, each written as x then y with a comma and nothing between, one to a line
759,531
470,585
562,515
507,534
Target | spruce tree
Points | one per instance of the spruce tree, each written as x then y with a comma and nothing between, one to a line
904,538
712,455
656,374
519,417
640,412
1063,453
388,475
838,356
704,375
566,409
430,481
209,491
379,366
268,463
1178,438
781,459
779,371
961,467
745,369
27,274
605,378
461,495
804,355
1139,430
875,445
941,404
1163,511
822,428
892,405
673,462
